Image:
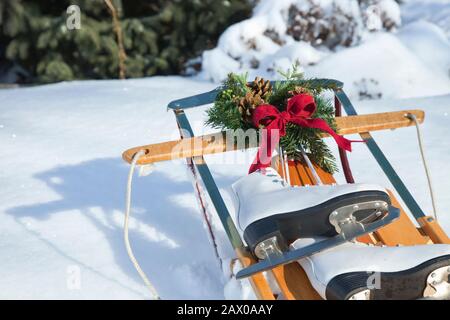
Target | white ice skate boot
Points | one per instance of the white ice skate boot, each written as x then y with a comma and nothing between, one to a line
266,209
359,271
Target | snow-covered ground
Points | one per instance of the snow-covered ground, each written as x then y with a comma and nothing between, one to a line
435,11
63,180
62,194
63,184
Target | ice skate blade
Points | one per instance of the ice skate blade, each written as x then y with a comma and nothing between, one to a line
429,281
328,219
280,259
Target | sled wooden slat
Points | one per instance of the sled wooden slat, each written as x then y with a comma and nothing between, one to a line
294,283
258,281
217,143
300,175
402,231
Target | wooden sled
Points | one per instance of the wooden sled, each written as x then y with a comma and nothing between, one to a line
291,278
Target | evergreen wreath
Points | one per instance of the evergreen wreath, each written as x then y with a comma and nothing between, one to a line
237,99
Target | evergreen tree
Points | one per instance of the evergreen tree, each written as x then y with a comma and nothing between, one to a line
159,36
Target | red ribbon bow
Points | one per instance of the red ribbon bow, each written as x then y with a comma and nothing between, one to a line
299,110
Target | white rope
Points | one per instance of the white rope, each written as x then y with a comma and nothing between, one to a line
422,152
138,268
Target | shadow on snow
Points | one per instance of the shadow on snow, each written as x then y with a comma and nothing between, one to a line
178,257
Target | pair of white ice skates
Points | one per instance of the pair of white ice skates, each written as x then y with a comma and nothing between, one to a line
274,217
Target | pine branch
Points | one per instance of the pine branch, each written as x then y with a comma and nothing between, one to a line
225,114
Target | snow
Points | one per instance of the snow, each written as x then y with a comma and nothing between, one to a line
296,51
62,198
217,71
63,184
393,69
428,42
390,9
434,11
409,61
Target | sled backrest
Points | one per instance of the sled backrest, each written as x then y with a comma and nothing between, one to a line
210,96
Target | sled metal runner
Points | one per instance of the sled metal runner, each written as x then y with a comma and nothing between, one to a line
354,231
394,229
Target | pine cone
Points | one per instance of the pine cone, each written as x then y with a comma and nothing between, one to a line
298,90
261,87
247,104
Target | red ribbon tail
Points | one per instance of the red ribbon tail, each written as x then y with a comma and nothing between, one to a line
299,108
342,142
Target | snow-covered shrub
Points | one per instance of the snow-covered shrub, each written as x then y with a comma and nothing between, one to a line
282,32
380,14
330,23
